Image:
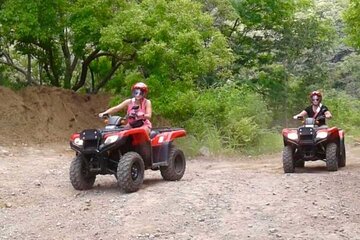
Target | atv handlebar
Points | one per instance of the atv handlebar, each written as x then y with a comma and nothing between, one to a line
299,118
317,118
105,116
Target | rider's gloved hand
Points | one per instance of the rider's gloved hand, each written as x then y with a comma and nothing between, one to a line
101,115
132,115
295,117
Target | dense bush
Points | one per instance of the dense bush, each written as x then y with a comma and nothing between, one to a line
226,117
345,110
222,118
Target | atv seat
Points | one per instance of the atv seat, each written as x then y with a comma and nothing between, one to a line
153,133
114,120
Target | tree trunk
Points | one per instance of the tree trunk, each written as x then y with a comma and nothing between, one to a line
49,75
108,76
84,69
55,80
92,80
40,71
28,73
69,66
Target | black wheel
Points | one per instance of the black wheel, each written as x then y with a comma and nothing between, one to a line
288,160
342,159
80,176
130,172
177,165
332,155
300,163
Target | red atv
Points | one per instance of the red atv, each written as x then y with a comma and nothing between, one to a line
125,152
311,142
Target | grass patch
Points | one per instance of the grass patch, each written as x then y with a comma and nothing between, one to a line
189,145
269,142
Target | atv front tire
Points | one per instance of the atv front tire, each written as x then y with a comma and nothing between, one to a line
80,176
332,157
130,172
288,160
342,159
177,165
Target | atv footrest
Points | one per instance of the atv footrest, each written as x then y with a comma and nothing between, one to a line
95,170
160,164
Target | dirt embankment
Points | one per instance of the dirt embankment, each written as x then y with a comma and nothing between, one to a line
46,115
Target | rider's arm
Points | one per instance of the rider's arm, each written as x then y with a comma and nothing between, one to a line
116,108
328,114
148,110
302,114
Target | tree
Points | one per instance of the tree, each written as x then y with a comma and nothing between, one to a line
171,40
352,21
279,46
30,29
165,40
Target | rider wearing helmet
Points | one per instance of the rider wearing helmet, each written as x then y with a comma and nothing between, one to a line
139,91
316,109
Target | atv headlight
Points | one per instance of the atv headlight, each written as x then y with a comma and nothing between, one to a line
321,135
292,136
78,141
111,139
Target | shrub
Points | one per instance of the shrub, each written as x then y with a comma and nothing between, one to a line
345,110
223,118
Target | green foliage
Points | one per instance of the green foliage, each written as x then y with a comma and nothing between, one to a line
5,80
87,18
352,20
172,40
32,28
28,21
345,76
222,12
345,110
264,14
281,50
230,72
220,118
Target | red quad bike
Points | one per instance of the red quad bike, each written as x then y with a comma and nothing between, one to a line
125,152
310,142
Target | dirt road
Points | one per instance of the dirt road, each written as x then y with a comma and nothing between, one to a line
243,198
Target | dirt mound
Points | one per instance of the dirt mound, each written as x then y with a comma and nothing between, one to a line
44,114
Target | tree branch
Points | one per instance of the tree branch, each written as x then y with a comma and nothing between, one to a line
17,68
234,27
84,69
107,77
20,70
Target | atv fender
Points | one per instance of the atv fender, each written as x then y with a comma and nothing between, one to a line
341,134
161,145
166,137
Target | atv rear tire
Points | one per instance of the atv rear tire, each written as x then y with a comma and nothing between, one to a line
130,172
342,159
177,165
80,176
288,160
332,157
